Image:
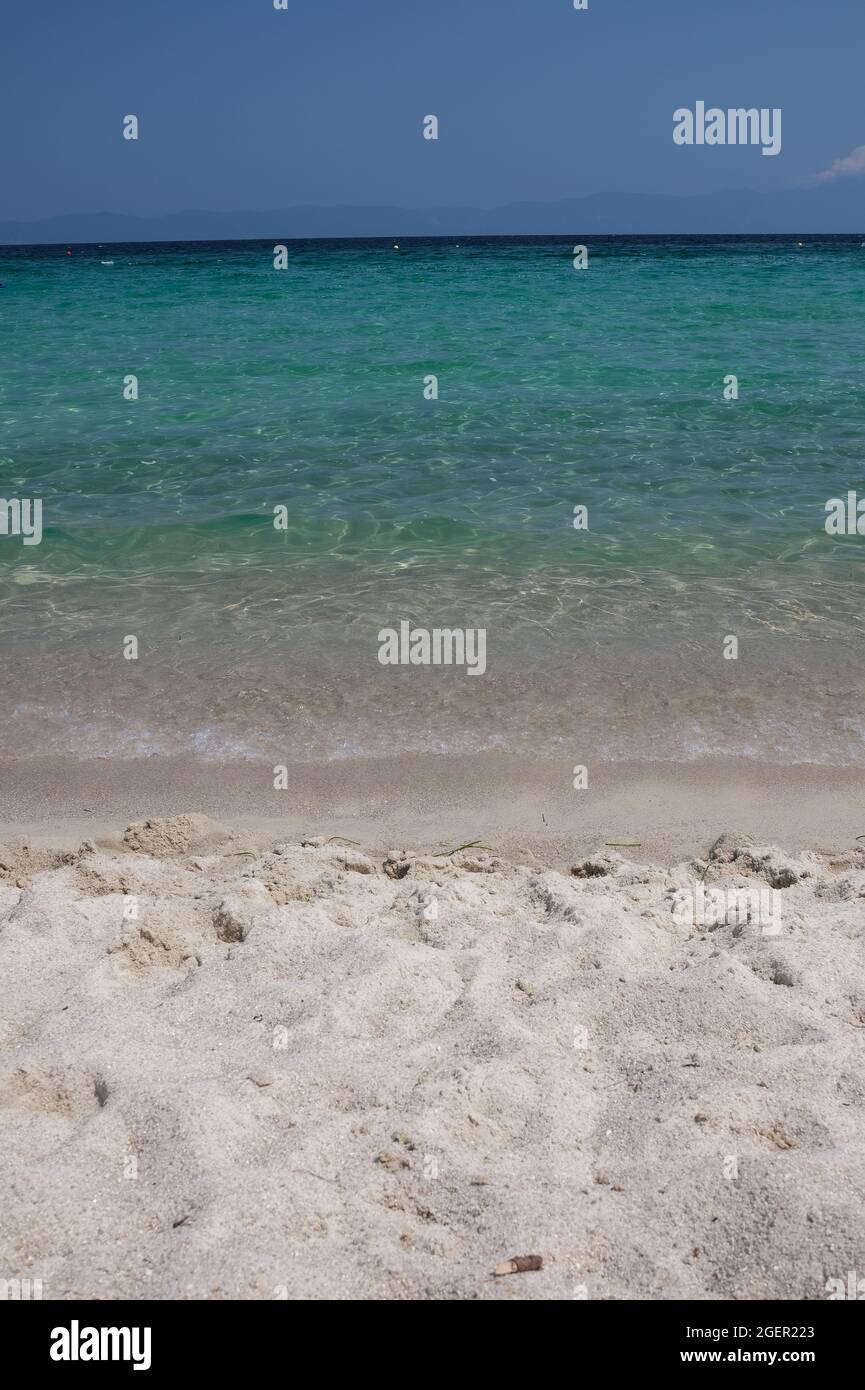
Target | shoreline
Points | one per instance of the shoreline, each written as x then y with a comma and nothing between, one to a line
433,802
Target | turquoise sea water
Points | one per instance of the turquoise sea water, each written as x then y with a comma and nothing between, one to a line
304,388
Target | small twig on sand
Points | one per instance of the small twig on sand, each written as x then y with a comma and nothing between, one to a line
470,844
520,1264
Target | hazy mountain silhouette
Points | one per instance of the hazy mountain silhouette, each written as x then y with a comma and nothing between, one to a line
835,207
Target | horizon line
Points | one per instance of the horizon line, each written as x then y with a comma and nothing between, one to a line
445,236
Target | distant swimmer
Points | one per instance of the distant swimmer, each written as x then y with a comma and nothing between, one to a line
396,246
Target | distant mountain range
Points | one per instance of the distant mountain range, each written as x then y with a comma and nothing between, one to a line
836,207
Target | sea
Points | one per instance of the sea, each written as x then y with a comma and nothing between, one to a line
253,471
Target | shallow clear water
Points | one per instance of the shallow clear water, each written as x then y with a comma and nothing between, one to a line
557,387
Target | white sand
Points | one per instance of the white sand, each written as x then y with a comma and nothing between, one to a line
294,1075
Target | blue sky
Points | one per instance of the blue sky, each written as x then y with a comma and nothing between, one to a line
242,106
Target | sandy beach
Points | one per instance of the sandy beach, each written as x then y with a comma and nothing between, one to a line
432,694
248,1059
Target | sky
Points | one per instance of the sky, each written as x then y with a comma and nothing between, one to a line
242,106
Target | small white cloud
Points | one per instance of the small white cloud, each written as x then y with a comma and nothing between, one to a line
853,163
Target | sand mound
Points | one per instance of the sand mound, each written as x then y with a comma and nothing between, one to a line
312,1071
165,837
